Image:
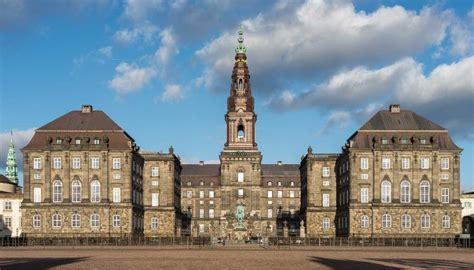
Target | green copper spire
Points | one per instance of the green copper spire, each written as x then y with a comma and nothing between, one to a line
12,168
241,48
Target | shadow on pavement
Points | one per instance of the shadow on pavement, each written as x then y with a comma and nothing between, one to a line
428,263
350,264
36,263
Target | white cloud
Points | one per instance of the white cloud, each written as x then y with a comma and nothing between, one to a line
106,51
317,37
20,139
98,56
140,10
168,47
144,31
130,78
173,93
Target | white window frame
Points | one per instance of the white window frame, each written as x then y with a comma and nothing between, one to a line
95,163
446,222
37,195
76,191
75,220
386,191
240,177
189,194
364,221
211,193
201,213
56,162
116,221
405,221
280,194
116,163
57,191
211,213
8,205
444,195
95,191
155,199
425,190
444,163
291,193
405,191
201,194
76,162
425,163
270,212
425,221
405,163
364,163
37,163
386,221
240,192
116,195
154,223
95,221
326,199
36,221
57,221
445,176
364,176
326,172
364,195
386,163
326,223
269,194
155,171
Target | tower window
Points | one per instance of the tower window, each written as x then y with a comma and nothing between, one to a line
240,133
241,86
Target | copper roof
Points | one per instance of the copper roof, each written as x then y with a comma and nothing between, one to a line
403,120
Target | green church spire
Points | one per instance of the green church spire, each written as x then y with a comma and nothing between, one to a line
241,48
12,168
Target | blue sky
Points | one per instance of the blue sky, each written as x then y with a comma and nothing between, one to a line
161,69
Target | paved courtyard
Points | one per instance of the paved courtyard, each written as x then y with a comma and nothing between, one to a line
169,258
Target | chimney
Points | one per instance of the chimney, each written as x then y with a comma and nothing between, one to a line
201,162
394,108
279,163
86,108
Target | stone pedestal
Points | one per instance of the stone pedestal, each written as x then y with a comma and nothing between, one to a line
302,230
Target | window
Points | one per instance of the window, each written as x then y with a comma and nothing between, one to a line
364,195
444,195
201,213
386,221
8,205
37,163
189,194
8,222
325,200
279,183
240,177
116,164
364,163
467,204
56,163
95,191
423,141
404,140
292,193
386,191
211,193
155,183
292,184
269,183
76,191
444,163
269,194
326,223
201,194
76,162
59,141
95,221
95,163
57,221
76,221
240,192
364,176
154,223
270,213
325,183
96,141
280,193
384,141
155,199
424,163
201,228
240,131
326,172
116,195
116,221
405,193
406,221
446,222
385,163
364,222
77,141
445,176
425,221
36,221
36,194
405,163
57,191
155,171
211,213
37,176
424,192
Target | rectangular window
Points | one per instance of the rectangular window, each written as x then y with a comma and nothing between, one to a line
116,164
37,176
189,194
445,176
280,193
201,228
269,194
37,195
36,221
95,163
211,213
445,195
240,177
116,195
155,171
425,163
116,176
326,172
405,163
364,163
201,194
8,205
325,183
270,213
37,163
201,213
56,163
116,221
364,176
155,183
292,193
444,163
155,199
364,195
325,200
240,192
8,222
76,162
385,163
211,194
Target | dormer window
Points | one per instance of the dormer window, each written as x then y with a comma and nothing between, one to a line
269,184
292,183
404,140
384,141
423,141
96,141
77,141
59,141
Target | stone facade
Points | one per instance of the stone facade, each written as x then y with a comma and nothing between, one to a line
10,212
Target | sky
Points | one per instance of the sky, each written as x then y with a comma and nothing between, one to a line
161,69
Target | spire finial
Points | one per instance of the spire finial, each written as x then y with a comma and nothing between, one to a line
240,47
11,171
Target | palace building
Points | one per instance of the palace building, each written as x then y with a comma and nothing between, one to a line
397,175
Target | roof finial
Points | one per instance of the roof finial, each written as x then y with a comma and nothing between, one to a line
240,47
11,171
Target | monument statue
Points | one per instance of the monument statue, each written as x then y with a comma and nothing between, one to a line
240,214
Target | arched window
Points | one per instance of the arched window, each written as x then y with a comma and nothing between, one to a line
76,191
95,191
57,191
446,222
57,221
76,220
406,221
241,85
292,183
425,191
425,221
405,192
95,221
364,222
240,133
279,183
269,183
326,223
386,191
154,223
36,221
386,221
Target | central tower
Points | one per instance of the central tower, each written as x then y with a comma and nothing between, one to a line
240,117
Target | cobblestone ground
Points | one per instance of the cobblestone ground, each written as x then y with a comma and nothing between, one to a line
171,258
